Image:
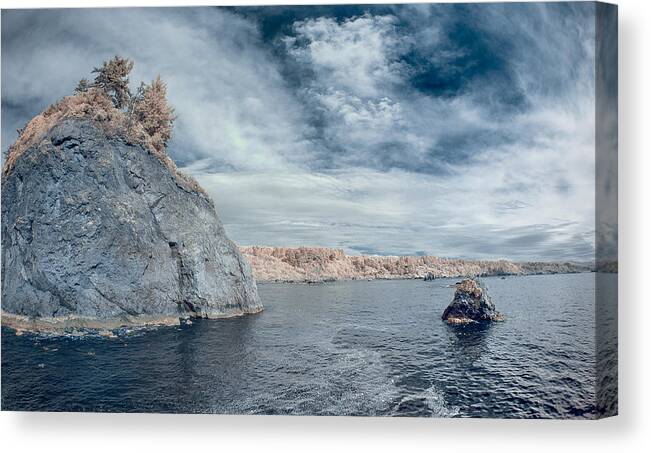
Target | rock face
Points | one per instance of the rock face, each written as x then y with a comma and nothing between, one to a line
471,304
307,264
96,230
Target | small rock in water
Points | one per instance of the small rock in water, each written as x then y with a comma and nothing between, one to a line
471,304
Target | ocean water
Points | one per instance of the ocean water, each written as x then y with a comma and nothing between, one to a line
376,348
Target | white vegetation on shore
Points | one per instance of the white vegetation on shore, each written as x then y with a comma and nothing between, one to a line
307,264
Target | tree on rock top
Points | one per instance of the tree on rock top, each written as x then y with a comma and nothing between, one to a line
82,86
151,110
113,78
143,118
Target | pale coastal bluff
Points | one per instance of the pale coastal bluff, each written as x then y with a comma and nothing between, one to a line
99,229
317,264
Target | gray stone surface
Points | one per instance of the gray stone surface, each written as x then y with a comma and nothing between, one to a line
96,228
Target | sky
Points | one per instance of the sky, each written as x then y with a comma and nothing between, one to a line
456,130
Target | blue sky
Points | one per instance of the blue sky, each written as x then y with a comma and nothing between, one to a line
450,130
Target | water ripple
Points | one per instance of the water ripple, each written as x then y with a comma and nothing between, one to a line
314,351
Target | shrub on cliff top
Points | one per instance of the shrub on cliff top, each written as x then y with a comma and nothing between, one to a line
113,78
82,86
93,103
144,118
151,110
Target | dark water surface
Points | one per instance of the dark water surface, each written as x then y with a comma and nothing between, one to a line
343,348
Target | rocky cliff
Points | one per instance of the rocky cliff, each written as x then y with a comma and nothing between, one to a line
306,264
100,231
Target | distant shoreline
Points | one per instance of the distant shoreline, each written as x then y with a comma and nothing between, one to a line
321,282
321,264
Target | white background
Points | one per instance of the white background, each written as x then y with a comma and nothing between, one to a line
111,432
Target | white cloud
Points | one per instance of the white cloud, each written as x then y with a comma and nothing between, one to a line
400,212
358,55
404,172
232,103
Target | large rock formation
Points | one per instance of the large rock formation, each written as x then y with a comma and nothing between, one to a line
100,232
471,304
306,264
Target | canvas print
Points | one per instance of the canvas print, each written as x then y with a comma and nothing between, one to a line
370,210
